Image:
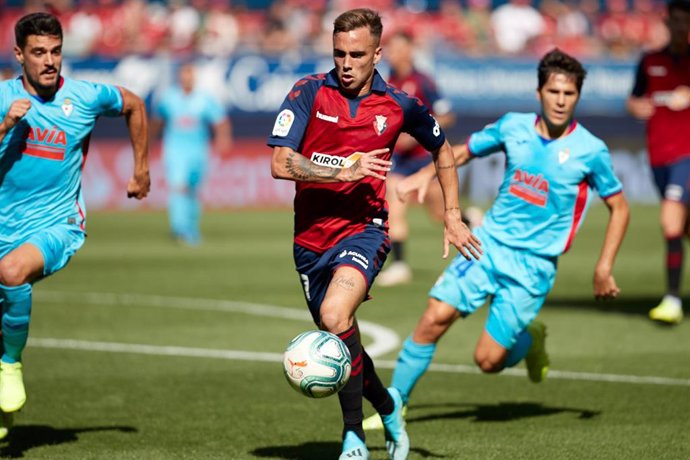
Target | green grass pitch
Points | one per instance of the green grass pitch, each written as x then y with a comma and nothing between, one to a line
142,349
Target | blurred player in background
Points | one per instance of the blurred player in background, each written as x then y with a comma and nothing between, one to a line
661,96
341,241
409,156
46,123
188,117
551,162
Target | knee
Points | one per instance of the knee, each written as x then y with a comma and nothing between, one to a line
334,321
11,272
486,363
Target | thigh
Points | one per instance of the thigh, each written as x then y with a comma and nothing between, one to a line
466,284
57,245
524,280
364,252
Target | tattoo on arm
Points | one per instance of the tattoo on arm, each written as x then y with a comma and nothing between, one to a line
346,283
439,167
300,168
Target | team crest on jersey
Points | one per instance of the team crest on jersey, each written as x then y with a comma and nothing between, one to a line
283,123
334,161
380,124
563,156
67,107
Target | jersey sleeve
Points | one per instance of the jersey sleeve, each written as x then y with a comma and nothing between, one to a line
109,101
487,141
422,126
602,177
640,87
215,113
293,117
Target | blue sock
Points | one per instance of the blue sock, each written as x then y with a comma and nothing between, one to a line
16,311
519,350
413,361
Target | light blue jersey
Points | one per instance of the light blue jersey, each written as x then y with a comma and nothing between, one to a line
546,190
42,157
188,118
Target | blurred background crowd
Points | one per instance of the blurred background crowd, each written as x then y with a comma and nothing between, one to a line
588,29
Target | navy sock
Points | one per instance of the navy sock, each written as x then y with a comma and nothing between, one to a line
374,391
351,394
674,264
397,251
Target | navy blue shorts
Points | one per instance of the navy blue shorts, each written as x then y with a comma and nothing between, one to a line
673,180
365,251
406,165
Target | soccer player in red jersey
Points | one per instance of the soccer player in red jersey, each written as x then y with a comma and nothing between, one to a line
333,137
409,156
661,96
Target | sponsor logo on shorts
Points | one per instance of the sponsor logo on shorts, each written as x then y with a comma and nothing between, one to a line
673,192
356,258
283,123
657,71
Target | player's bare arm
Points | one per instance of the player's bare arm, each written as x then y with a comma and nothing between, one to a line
604,284
291,165
419,182
641,108
134,111
456,232
222,137
17,110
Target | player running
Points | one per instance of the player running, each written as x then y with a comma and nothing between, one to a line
661,95
44,134
333,137
551,163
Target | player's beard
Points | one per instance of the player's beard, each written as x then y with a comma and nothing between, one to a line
46,89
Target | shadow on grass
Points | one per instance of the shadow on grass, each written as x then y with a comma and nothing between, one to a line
25,437
501,412
321,450
627,305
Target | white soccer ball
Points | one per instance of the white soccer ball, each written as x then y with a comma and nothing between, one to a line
317,364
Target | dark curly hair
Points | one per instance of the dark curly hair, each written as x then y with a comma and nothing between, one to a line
556,61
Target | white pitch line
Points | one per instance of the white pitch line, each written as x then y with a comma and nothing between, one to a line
156,350
384,340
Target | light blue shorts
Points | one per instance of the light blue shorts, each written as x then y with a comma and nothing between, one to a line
517,280
57,244
185,171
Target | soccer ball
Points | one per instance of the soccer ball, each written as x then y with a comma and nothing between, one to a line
317,364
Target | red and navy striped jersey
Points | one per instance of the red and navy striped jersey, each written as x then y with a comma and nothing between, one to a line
331,129
658,74
421,86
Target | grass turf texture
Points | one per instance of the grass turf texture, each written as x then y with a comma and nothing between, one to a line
94,404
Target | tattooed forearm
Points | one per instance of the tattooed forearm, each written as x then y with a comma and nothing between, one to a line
346,283
439,167
300,168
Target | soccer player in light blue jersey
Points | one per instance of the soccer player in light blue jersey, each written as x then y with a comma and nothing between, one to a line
552,163
46,123
187,116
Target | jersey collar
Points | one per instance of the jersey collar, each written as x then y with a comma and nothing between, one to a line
378,85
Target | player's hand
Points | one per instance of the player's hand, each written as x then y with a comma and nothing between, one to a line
139,185
418,182
367,165
680,99
17,110
642,108
605,287
459,235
